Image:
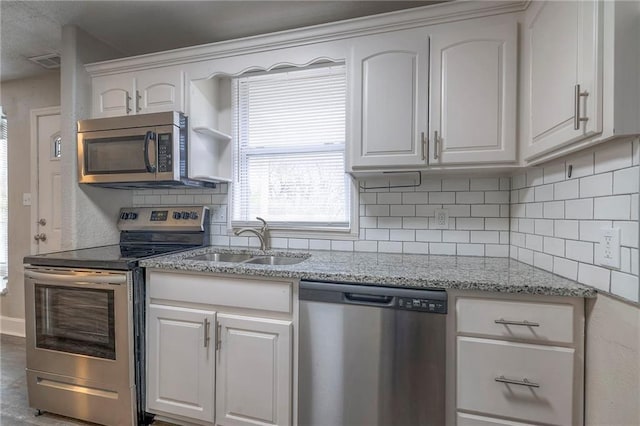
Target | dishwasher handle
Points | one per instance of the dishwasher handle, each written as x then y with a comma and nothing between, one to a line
370,299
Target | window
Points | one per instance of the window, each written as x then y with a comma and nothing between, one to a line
289,131
4,206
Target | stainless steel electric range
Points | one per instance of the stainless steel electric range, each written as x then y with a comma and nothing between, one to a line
85,317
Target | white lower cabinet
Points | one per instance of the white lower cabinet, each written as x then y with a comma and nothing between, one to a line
519,359
181,361
254,371
220,349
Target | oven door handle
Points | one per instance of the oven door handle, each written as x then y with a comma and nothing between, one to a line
77,277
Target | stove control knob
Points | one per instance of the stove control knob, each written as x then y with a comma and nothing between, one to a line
185,215
133,216
193,215
124,216
176,215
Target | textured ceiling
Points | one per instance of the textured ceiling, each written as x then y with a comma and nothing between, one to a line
32,28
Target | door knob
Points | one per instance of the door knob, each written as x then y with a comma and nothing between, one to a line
40,237
42,222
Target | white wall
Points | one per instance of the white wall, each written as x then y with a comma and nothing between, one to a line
18,98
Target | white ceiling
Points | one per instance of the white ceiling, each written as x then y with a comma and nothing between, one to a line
33,28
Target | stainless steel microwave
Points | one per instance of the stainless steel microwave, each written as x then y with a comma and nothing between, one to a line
136,151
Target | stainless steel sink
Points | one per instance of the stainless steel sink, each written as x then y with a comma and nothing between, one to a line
276,260
222,257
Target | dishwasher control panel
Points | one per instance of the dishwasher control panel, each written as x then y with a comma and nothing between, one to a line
422,305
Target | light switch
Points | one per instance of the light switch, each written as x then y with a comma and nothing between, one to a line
26,198
608,251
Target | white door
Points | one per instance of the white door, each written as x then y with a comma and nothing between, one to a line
473,92
254,379
46,199
564,43
389,98
181,361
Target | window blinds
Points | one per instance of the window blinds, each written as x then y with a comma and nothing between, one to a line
4,207
289,131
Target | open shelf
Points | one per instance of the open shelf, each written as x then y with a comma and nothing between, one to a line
213,133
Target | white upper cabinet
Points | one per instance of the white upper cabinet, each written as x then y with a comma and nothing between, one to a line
389,92
156,90
563,41
473,92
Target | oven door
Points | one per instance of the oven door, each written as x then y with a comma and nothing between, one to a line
79,323
128,155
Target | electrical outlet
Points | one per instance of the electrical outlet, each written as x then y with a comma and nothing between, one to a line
442,219
608,252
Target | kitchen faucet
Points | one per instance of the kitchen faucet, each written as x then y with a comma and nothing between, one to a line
261,234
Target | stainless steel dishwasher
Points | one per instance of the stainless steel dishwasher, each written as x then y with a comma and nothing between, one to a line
371,355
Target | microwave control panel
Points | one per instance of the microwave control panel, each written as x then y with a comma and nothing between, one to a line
165,157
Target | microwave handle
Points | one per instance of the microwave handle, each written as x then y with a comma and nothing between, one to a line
148,137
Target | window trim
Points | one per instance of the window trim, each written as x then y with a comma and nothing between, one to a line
298,229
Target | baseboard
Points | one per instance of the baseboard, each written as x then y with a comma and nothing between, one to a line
12,326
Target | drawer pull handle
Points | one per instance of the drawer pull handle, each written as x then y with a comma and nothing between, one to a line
524,323
523,382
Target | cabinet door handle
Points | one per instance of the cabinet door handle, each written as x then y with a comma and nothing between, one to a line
523,382
424,143
138,99
524,323
576,98
128,103
218,336
206,333
435,145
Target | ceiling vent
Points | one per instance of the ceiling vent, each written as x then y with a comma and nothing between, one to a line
50,61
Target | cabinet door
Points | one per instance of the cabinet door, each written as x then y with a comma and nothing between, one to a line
389,99
159,90
181,361
254,380
112,95
473,92
563,40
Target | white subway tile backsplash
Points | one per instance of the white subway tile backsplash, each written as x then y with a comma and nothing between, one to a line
366,246
389,222
377,210
368,198
554,172
402,235
416,222
431,235
527,195
566,190
485,184
415,248
389,198
485,210
554,246
496,250
342,245
626,181
368,222
505,184
543,193
519,181
280,243
568,229
543,261
625,260
518,239
476,197
319,244
377,234
534,210
634,206
625,285
596,185
299,243
579,250
613,157
533,242
496,197
553,210
470,223
471,250
403,210
594,276
415,198
426,210
455,236
628,233
579,209
525,256
590,229
390,246
442,248
442,198
635,262
505,210
543,227
489,237
457,210
494,224
582,165
430,184
527,226
535,177
504,237
565,268
455,184
617,207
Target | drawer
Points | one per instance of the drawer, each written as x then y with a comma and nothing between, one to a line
482,361
262,295
465,419
542,322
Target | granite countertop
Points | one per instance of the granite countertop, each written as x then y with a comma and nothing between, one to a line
403,270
